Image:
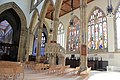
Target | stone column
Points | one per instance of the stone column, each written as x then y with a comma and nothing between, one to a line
40,26
56,24
38,44
29,44
83,50
56,18
30,36
111,40
22,45
55,30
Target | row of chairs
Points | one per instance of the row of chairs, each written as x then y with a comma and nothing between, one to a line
55,69
39,67
11,70
45,68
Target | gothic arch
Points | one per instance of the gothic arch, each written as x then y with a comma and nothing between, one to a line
93,10
36,26
34,18
115,24
117,7
73,36
58,4
22,17
97,30
14,6
47,26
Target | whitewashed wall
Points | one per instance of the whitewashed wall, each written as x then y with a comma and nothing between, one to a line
111,56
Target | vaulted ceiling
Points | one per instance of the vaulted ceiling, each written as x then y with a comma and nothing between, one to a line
65,8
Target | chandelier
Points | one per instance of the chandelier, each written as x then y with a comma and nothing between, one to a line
109,9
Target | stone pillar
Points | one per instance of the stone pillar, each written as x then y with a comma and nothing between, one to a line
83,27
22,45
40,26
111,40
29,45
56,24
38,44
56,18
30,36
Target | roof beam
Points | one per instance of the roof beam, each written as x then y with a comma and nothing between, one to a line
63,10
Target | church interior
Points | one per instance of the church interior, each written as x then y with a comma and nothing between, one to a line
59,39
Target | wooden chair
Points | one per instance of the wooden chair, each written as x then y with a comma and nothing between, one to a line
86,72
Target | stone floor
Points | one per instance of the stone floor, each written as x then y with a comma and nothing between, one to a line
94,75
29,75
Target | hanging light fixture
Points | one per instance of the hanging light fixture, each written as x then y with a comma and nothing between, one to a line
109,9
71,20
51,28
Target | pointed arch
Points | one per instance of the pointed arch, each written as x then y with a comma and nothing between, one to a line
97,30
58,4
115,10
18,10
61,35
73,35
117,28
23,21
34,19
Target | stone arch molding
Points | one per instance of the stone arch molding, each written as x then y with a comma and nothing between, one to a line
20,13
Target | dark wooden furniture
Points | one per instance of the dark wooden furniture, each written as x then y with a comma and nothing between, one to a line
73,62
95,63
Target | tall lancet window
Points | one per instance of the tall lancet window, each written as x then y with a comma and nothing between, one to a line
43,41
117,19
73,35
97,30
60,36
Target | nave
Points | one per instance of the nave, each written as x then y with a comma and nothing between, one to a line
40,71
94,75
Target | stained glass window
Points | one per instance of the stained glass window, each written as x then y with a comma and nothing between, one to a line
97,30
117,17
73,35
60,36
6,32
43,41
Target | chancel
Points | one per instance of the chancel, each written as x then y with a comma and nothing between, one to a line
59,39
